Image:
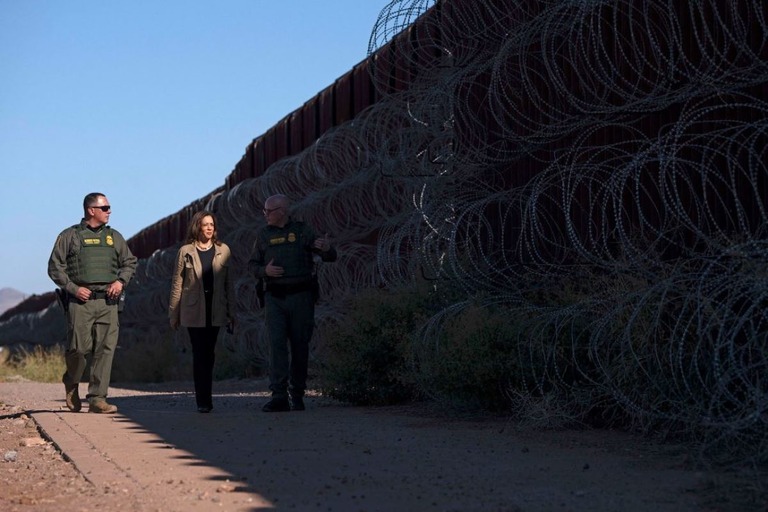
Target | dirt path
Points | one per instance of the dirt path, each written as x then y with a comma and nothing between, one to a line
158,453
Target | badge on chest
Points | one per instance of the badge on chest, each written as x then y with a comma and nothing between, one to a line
279,240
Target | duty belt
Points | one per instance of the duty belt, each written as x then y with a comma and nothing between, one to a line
279,290
94,296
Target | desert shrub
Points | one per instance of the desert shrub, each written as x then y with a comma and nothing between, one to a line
471,361
36,363
366,361
236,361
150,361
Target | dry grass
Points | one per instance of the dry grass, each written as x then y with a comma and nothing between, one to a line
38,364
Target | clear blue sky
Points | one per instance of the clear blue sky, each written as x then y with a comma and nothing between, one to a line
152,102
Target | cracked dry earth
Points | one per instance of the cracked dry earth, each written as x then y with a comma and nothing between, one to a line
342,459
34,476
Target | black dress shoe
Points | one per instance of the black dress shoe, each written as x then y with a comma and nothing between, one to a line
204,409
277,405
297,403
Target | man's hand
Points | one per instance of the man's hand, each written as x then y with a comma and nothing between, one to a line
115,289
322,243
273,270
83,294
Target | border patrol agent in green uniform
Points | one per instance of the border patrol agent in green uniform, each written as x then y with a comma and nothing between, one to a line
284,260
91,264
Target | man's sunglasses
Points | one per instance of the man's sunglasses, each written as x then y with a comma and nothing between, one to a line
104,208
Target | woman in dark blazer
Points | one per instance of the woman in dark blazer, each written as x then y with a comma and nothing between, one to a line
202,299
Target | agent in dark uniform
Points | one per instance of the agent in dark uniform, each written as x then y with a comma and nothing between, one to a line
91,264
284,258
202,299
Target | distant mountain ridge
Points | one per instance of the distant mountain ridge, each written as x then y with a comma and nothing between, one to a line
10,297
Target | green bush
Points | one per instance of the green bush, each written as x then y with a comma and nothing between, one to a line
471,362
367,361
238,361
148,361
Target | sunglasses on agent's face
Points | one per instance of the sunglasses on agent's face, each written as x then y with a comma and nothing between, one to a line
104,208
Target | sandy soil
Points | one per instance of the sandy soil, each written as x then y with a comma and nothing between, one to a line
332,457
35,476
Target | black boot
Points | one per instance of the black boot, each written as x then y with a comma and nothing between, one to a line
277,405
297,403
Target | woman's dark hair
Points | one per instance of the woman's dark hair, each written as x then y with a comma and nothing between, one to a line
194,226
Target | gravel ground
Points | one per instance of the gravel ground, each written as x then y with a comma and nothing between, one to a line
335,457
36,476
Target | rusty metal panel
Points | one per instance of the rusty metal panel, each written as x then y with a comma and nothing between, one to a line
402,74
281,139
269,147
295,131
325,119
309,124
342,98
239,173
382,70
258,160
422,47
362,92
232,179
174,228
159,236
245,165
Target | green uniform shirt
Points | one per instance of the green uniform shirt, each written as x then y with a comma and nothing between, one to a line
68,245
290,247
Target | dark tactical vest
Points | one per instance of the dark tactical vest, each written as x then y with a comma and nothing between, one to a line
96,261
288,247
